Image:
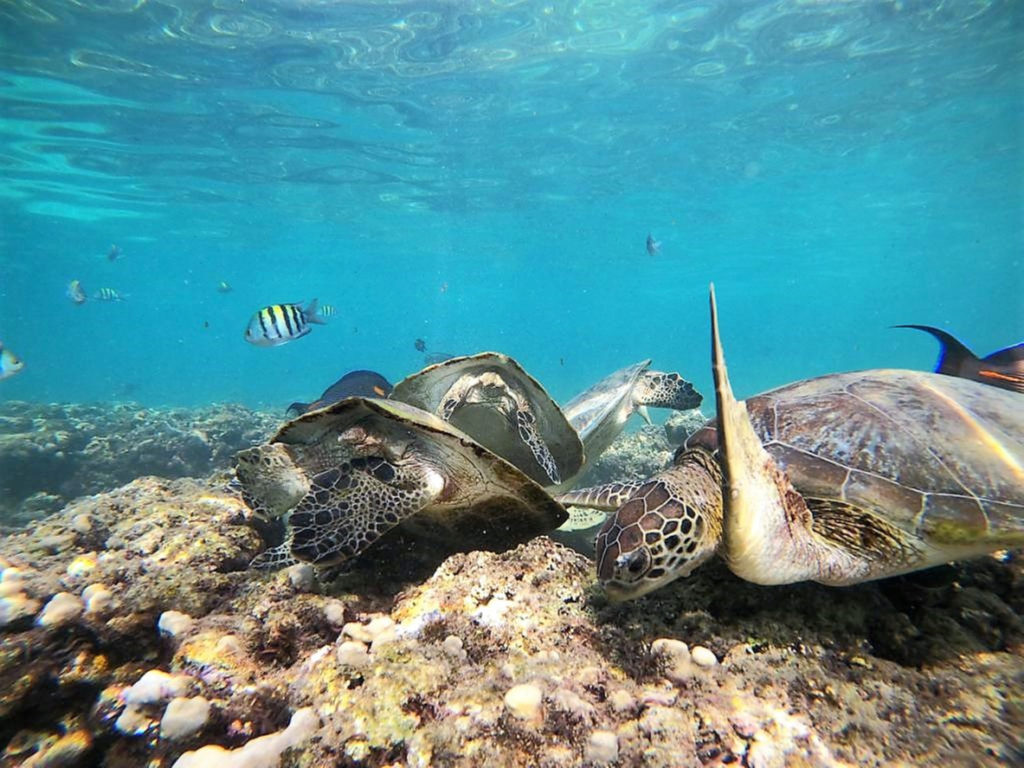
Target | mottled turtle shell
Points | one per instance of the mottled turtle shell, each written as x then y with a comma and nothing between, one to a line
426,389
590,411
486,501
937,456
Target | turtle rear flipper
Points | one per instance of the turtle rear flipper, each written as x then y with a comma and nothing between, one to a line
666,390
351,506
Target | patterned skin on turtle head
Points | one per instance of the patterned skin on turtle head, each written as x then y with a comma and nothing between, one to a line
666,390
270,482
669,526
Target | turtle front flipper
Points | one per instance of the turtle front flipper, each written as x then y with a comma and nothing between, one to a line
665,390
769,532
526,423
607,497
350,506
512,402
274,558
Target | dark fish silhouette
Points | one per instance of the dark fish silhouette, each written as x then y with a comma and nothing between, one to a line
1003,369
653,246
114,253
421,345
353,384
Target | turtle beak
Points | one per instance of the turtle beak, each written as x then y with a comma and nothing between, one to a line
642,410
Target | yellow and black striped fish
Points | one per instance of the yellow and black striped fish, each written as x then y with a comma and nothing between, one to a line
327,310
281,323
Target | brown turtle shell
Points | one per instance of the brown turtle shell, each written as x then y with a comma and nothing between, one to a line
937,456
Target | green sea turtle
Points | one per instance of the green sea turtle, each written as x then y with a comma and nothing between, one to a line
345,475
491,398
599,413
839,479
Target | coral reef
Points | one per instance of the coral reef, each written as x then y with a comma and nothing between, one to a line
639,454
132,633
52,453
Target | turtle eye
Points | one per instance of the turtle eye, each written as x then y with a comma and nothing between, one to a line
634,562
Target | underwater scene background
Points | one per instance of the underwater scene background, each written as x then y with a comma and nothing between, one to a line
559,182
484,176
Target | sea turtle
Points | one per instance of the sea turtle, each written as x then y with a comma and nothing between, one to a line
491,398
345,475
599,414
838,479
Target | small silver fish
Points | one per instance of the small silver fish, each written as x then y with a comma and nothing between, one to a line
9,363
280,323
76,293
109,294
653,246
224,287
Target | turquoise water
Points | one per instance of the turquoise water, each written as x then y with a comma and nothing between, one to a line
484,176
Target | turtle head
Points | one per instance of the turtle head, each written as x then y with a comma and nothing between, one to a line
664,531
270,481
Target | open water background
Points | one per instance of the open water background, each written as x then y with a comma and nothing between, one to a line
483,175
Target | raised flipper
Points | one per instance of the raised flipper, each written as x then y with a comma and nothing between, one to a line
1003,369
665,390
351,506
608,497
766,531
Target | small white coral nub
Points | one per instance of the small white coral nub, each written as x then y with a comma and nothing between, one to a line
263,752
62,609
155,686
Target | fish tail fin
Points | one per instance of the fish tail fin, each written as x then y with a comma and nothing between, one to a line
311,315
953,355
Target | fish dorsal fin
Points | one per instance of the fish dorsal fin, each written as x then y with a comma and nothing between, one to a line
760,503
953,355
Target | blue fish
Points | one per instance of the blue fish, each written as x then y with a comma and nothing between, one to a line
1003,369
353,384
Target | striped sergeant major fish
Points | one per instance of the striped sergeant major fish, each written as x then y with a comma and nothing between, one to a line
109,294
280,323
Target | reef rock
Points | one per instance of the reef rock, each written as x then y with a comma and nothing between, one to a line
511,659
52,453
